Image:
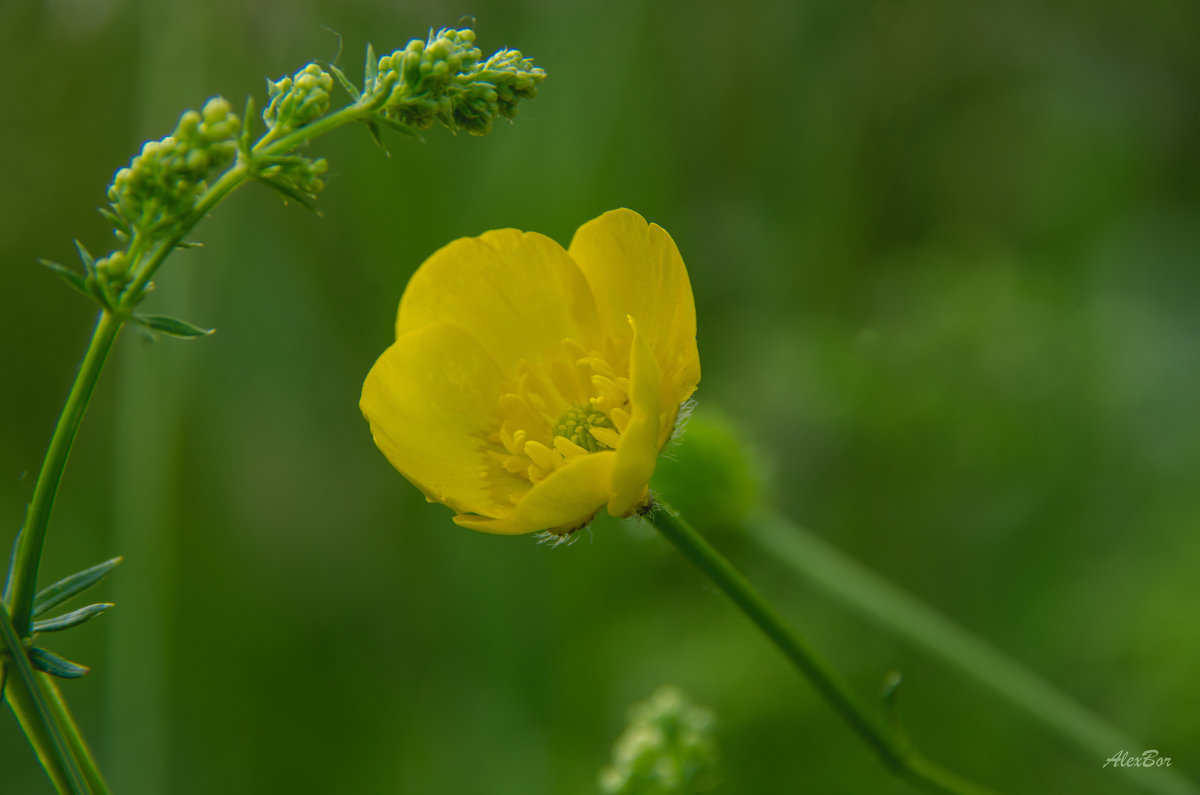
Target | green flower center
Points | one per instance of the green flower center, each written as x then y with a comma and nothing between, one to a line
576,424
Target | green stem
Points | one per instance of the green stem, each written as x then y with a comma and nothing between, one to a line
27,698
33,534
47,722
237,175
895,751
895,611
78,746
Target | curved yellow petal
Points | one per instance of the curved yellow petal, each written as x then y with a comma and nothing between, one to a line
518,293
564,500
637,452
431,399
634,268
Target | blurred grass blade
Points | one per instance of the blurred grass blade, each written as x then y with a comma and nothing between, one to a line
72,619
898,613
49,662
52,596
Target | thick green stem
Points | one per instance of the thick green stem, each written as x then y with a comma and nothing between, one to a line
894,750
25,694
33,534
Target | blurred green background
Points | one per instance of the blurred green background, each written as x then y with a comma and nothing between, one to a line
945,257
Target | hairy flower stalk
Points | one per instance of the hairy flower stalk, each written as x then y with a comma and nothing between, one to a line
530,386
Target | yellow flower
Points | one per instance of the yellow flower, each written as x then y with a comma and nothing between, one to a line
530,386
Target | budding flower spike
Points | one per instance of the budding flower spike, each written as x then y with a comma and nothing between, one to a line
530,386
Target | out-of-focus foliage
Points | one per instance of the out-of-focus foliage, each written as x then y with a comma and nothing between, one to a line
668,748
945,264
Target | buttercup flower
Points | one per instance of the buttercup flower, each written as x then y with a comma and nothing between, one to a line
530,386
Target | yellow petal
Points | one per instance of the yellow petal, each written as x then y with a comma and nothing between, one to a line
518,293
565,499
431,399
637,452
634,268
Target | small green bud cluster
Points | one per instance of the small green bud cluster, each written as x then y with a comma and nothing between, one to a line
443,79
297,177
113,271
298,100
159,188
668,749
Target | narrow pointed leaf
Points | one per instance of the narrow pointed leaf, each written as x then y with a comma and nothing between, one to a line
66,588
51,663
373,128
246,138
115,220
281,160
349,87
189,244
399,127
172,326
287,192
72,619
73,279
370,70
89,262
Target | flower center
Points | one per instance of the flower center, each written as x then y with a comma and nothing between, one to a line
560,409
576,424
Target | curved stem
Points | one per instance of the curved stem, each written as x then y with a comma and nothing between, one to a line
893,749
27,698
897,612
33,533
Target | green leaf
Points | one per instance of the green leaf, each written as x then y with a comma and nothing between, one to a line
68,587
3,675
189,244
115,220
287,192
172,326
373,128
89,262
73,279
246,138
399,127
370,70
72,619
349,87
51,663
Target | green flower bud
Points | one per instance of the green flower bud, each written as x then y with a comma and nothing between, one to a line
443,80
162,183
297,100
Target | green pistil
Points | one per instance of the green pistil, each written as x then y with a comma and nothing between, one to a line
576,424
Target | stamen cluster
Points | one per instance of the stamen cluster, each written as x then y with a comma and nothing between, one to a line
558,411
